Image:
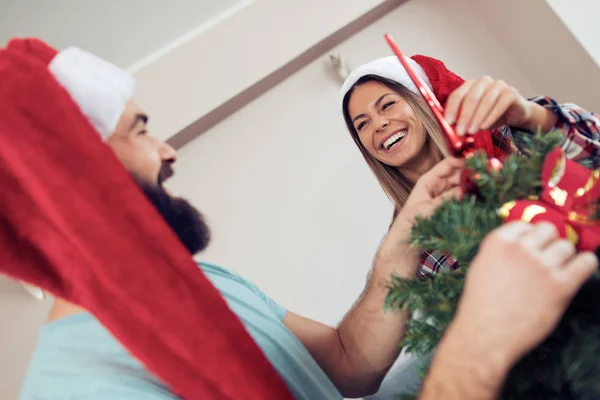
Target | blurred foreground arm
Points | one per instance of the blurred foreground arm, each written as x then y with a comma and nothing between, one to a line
517,288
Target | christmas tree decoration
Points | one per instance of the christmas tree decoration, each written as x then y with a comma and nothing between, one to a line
540,184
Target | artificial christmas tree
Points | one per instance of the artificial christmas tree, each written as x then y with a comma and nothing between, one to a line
540,184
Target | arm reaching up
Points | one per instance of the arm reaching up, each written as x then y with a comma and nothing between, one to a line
357,355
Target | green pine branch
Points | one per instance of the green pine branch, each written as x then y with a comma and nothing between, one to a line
457,227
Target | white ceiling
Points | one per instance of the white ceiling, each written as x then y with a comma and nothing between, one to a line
123,31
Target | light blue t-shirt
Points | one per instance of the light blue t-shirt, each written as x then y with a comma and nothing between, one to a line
77,359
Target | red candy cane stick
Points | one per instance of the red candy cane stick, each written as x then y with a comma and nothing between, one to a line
461,147
458,146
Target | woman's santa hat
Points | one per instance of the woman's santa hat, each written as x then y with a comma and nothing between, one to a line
433,72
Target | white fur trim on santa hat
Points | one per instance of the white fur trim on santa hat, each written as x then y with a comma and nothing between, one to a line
386,67
100,89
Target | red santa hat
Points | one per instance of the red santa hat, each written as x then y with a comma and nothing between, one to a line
433,72
82,230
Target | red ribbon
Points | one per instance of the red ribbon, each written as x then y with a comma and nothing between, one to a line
568,201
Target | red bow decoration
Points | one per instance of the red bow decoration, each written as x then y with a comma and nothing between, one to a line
569,197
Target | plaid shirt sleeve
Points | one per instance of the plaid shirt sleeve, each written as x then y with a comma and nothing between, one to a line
581,130
435,261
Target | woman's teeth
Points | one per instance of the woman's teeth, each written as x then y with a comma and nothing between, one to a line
392,140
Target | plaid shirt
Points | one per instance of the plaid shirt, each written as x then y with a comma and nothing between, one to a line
582,144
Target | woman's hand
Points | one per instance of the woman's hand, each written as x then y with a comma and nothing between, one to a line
439,184
432,189
489,103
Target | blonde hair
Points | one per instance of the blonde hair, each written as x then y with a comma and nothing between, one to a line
396,186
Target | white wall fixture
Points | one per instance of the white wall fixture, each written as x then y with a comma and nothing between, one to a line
339,66
34,291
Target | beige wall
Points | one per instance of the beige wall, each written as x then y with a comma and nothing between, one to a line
556,61
213,65
138,28
20,318
581,17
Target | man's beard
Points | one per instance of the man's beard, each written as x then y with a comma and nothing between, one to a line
185,220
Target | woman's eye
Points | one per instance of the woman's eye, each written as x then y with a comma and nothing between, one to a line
387,105
361,125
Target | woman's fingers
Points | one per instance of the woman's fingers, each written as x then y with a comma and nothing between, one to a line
445,168
471,102
454,101
483,104
488,102
442,177
464,102
452,193
506,99
427,208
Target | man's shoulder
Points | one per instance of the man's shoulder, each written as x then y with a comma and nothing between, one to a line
77,358
223,277
241,294
214,269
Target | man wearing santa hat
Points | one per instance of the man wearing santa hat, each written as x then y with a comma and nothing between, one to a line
78,358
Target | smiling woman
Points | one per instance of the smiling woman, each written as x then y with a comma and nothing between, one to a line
395,131
394,128
402,143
